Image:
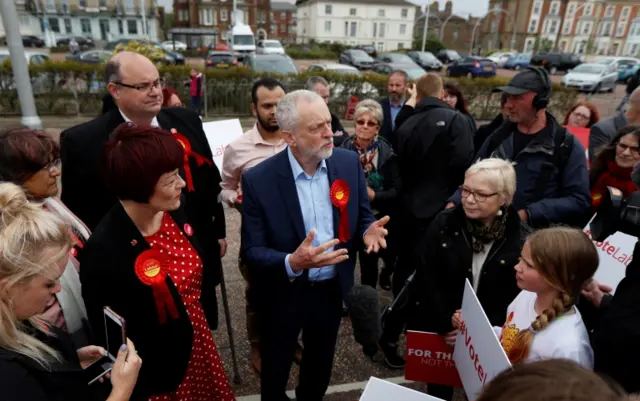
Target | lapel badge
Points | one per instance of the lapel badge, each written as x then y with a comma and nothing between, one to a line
188,230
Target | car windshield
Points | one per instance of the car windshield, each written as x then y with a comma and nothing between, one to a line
415,73
345,71
426,56
275,45
280,65
606,61
221,58
243,40
400,58
588,69
359,55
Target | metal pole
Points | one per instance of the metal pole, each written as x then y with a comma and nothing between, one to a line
426,26
443,25
225,303
145,32
19,65
473,34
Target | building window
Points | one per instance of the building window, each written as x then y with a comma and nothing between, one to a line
625,12
403,29
586,29
224,15
67,25
381,30
85,23
571,10
404,13
120,27
327,26
566,27
283,15
283,28
352,11
609,12
553,27
262,17
588,9
400,45
375,29
65,6
54,24
528,46
328,9
563,46
130,6
274,29
554,8
50,6
102,3
620,29
354,29
536,8
208,16
381,12
346,29
82,3
533,25
132,26
634,50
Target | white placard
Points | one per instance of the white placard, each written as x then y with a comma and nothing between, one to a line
478,354
615,254
382,390
220,134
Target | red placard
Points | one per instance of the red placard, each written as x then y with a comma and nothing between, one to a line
430,360
581,133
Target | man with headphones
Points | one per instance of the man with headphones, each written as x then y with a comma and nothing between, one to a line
551,167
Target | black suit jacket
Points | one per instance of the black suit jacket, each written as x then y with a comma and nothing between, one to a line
108,279
386,131
84,193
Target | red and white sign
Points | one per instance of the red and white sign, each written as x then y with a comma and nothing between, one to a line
219,135
615,255
583,136
430,360
478,354
382,390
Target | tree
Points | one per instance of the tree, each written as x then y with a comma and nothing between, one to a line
542,45
168,24
148,50
590,47
433,44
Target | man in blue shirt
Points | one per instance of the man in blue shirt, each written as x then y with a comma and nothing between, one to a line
396,87
305,212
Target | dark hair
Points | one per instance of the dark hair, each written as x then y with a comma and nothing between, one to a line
503,99
136,157
453,88
399,72
111,71
24,152
607,153
595,116
551,379
268,83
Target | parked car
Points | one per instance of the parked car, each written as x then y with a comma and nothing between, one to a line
32,57
338,92
173,45
591,77
84,43
472,67
91,57
335,68
270,47
221,59
554,62
357,58
625,76
425,60
621,64
32,41
448,56
500,58
369,49
40,83
397,58
413,71
275,63
518,62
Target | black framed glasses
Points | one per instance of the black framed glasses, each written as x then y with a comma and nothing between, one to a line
368,123
146,87
53,165
478,196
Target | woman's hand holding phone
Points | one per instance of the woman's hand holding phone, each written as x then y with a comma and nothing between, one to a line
125,372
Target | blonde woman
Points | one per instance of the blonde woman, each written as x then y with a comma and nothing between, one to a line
38,361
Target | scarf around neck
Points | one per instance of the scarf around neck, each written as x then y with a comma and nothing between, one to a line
368,155
483,234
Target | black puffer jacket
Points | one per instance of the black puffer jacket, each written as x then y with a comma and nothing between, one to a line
444,263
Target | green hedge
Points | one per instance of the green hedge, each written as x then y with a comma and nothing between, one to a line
69,88
59,49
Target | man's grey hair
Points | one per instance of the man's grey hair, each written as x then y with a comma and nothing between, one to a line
313,81
403,74
372,107
112,71
287,113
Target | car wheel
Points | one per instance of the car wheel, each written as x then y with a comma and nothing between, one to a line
596,90
553,70
517,67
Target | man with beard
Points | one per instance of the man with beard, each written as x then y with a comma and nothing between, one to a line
257,144
305,214
391,106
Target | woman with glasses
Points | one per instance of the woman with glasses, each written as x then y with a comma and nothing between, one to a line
480,240
612,166
582,114
31,159
383,179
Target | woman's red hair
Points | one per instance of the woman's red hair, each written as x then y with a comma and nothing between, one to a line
595,116
167,92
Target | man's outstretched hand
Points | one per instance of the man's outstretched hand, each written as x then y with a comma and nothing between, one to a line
374,238
308,257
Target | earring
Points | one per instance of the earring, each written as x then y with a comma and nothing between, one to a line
499,212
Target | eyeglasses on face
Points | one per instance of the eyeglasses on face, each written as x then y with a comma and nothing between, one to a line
368,123
478,196
53,165
581,116
144,87
622,148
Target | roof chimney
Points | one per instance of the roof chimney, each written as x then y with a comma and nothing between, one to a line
434,7
448,7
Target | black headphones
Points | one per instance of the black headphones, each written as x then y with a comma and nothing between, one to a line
541,100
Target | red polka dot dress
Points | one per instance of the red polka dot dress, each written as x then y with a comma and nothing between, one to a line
205,379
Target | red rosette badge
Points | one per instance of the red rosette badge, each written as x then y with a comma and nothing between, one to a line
188,152
339,194
151,269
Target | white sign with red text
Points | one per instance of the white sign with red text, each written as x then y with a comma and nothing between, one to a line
478,354
615,255
219,135
382,390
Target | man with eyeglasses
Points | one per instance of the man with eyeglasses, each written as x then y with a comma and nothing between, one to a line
134,84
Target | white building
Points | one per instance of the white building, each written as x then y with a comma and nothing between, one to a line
101,20
388,24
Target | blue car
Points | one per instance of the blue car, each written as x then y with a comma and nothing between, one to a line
518,62
472,67
624,76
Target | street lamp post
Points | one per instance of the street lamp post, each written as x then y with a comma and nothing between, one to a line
443,25
496,10
19,65
426,25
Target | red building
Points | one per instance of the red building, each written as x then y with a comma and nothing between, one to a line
283,22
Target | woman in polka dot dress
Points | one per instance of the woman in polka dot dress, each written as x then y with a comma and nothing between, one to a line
144,262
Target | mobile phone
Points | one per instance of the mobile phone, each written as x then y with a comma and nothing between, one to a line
115,327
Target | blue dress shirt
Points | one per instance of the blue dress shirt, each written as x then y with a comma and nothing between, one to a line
394,113
317,212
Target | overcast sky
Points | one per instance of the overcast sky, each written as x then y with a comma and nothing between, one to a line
460,7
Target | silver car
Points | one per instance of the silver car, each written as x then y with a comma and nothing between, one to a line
591,77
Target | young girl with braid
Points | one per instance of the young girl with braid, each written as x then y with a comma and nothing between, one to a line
543,322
